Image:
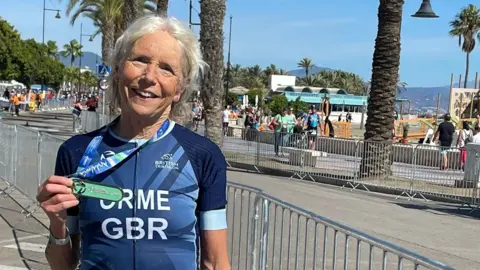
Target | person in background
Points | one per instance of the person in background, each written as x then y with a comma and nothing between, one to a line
6,94
197,116
476,135
313,123
291,122
464,137
15,100
280,124
91,104
348,117
38,100
444,134
226,119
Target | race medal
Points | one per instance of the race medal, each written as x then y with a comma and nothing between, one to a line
96,190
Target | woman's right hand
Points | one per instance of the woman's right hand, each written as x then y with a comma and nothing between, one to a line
55,197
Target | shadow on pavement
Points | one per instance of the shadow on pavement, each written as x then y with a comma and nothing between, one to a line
25,259
442,209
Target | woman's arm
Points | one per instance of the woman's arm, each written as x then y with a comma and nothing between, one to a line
214,250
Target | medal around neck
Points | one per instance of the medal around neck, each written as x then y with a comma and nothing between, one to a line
96,190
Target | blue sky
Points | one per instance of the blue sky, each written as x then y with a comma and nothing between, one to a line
337,34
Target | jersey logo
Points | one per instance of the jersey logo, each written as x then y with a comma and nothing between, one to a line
166,162
107,154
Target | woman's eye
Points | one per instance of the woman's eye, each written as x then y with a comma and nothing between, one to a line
141,60
166,68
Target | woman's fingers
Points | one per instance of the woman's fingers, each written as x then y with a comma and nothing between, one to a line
52,186
59,180
59,202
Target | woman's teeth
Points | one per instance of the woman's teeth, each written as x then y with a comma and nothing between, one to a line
144,94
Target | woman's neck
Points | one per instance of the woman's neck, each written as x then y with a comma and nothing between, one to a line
131,126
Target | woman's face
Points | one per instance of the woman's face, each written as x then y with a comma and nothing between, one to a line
149,80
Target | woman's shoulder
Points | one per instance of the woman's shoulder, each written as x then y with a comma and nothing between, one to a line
194,142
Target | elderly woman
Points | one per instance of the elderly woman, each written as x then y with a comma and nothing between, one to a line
174,181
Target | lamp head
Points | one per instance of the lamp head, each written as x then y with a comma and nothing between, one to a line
425,11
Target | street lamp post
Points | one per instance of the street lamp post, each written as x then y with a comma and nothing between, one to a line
80,59
43,29
56,17
190,23
227,83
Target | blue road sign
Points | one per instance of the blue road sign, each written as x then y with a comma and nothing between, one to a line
103,70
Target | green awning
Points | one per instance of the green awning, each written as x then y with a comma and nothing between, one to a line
316,98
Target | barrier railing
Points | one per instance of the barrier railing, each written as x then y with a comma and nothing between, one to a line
411,170
264,232
56,104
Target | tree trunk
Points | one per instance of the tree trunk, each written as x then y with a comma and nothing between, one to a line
162,8
377,148
467,67
131,10
211,37
108,43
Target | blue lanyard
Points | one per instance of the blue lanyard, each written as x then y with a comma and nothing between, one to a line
88,171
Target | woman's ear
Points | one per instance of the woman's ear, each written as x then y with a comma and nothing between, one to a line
182,85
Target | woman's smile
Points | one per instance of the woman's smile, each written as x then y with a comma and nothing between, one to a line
143,94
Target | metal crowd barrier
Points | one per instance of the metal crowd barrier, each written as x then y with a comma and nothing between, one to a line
264,232
411,170
56,104
90,121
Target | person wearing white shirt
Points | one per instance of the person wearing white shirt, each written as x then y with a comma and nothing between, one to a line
476,136
226,118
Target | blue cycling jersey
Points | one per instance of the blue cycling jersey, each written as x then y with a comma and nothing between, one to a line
173,188
313,120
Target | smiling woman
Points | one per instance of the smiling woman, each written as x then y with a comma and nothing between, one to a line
173,180
176,58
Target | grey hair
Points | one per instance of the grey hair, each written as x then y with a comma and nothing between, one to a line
192,66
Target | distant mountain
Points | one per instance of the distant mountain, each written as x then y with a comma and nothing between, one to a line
89,60
301,72
427,96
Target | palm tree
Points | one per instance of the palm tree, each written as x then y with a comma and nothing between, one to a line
271,70
307,64
466,26
52,49
211,37
72,49
131,10
283,72
381,102
106,15
162,8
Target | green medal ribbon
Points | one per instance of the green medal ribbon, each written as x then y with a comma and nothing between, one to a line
86,170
